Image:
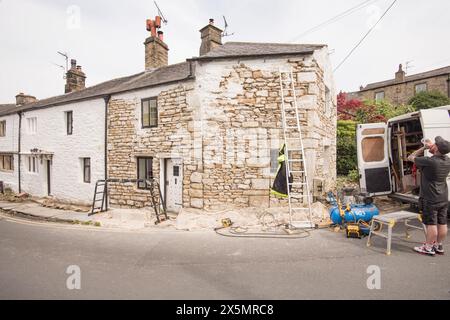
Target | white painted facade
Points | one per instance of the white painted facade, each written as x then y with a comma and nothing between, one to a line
86,141
9,144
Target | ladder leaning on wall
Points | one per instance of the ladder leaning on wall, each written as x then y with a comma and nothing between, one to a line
298,192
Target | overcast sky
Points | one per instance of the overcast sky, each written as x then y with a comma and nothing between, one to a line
106,37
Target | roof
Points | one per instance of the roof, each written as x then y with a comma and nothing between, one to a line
5,108
175,72
414,77
252,49
167,74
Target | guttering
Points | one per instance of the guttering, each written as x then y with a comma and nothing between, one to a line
106,98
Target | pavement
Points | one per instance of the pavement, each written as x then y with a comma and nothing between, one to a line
35,260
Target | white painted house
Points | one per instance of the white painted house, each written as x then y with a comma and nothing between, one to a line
208,129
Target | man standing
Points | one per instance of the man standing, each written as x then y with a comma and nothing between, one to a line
433,200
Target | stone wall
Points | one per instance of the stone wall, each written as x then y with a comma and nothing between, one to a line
127,140
241,121
401,93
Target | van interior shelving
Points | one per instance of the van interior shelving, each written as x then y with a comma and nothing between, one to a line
406,137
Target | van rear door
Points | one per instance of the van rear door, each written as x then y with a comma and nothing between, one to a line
436,122
373,159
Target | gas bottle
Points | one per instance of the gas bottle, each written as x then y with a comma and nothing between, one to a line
364,212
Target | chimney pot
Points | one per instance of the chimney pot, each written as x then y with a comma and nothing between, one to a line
73,63
211,21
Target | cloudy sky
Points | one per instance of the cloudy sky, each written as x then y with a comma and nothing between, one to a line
106,37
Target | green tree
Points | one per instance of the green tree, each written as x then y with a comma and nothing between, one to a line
346,146
426,100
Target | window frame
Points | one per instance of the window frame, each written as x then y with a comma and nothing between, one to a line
420,84
146,159
31,126
4,168
69,124
149,113
3,128
378,92
87,165
33,165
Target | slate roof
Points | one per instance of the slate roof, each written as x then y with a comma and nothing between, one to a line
414,77
167,74
253,49
4,108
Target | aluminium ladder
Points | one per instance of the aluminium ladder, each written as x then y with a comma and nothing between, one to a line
298,188
100,189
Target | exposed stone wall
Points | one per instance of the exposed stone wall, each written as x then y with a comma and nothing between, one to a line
156,53
127,140
401,93
242,123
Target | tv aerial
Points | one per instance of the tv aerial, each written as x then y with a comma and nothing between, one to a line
164,20
225,33
66,68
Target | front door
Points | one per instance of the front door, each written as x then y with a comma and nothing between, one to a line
174,184
373,158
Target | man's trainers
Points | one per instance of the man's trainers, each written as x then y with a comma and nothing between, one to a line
438,248
424,249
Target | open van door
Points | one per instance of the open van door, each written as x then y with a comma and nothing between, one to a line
373,159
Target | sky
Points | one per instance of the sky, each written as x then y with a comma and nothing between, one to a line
106,37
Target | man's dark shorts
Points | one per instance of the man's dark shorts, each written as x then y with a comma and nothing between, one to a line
433,214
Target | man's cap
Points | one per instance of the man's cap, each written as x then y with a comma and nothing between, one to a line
442,145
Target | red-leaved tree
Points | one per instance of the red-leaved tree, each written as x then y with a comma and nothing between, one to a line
347,109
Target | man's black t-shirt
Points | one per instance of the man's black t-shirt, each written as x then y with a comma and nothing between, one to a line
434,172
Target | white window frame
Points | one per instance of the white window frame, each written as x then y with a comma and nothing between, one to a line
416,91
33,165
377,93
3,128
32,125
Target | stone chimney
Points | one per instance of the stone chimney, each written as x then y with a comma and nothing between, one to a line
400,74
22,99
156,52
75,78
211,38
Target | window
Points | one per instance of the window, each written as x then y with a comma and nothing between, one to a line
420,87
373,149
274,160
32,125
176,171
379,95
2,128
33,165
87,170
69,122
6,162
149,113
144,171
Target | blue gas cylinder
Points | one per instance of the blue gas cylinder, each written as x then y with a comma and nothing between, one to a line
364,212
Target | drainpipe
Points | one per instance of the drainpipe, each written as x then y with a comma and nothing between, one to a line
106,98
19,142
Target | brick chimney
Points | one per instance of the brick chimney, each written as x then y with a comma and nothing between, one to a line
156,52
22,99
75,78
211,38
400,74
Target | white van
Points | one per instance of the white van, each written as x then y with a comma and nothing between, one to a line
383,149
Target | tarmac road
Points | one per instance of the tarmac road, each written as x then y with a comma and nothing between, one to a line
34,258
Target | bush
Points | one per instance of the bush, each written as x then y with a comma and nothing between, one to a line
346,146
426,100
353,175
380,111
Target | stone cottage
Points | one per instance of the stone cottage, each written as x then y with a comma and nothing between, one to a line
208,129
